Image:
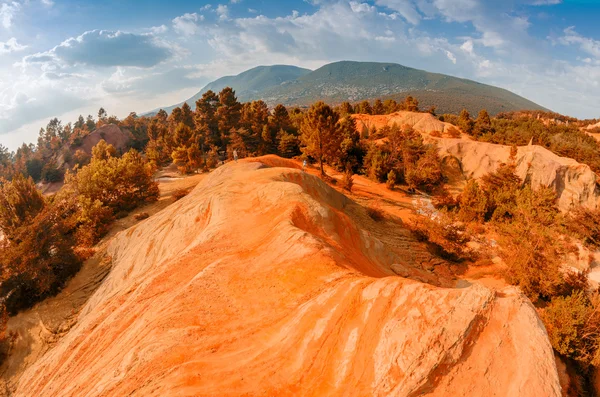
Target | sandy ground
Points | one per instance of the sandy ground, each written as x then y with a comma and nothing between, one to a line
35,331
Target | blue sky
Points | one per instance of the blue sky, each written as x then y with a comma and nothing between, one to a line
60,58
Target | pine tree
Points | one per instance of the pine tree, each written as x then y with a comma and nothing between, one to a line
378,107
228,113
320,135
465,122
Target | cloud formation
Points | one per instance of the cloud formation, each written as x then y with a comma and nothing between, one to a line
8,12
11,45
103,48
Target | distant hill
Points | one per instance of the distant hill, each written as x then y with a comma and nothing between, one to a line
250,84
357,81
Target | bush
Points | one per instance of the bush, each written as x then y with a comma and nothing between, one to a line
392,179
348,180
119,183
573,325
20,202
141,216
38,260
448,237
453,132
179,194
585,224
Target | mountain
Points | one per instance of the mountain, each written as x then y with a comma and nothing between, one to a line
250,84
356,81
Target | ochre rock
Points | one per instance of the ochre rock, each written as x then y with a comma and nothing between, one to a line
422,122
574,183
260,282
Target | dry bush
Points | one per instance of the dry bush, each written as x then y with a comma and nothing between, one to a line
435,134
348,181
453,132
121,214
179,194
585,224
376,212
141,216
448,237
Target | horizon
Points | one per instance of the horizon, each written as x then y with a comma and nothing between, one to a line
73,58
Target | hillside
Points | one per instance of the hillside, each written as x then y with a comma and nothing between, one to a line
266,281
248,85
356,81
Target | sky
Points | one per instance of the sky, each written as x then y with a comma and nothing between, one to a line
62,58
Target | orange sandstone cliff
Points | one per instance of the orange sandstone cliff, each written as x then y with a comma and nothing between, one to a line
261,282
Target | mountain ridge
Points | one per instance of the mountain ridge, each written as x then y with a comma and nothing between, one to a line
356,81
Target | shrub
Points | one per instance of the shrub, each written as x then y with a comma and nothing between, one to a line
392,179
427,172
436,134
448,237
573,325
20,202
179,194
473,203
38,261
121,214
453,132
141,216
119,183
348,180
585,224
93,219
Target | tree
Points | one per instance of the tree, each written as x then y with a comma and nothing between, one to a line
119,183
205,118
228,114
364,108
378,107
351,150
319,134
483,124
102,114
346,109
390,106
473,203
20,202
410,104
465,122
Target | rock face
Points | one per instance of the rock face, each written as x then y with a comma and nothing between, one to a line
261,282
422,122
574,183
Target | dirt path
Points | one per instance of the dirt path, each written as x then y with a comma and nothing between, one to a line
36,330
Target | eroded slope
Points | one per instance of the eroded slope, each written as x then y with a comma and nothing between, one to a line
261,282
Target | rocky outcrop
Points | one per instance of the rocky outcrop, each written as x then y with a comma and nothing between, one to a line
262,281
575,183
422,122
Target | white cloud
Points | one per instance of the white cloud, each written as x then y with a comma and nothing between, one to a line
103,48
587,45
48,3
187,24
8,12
11,45
404,8
223,12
